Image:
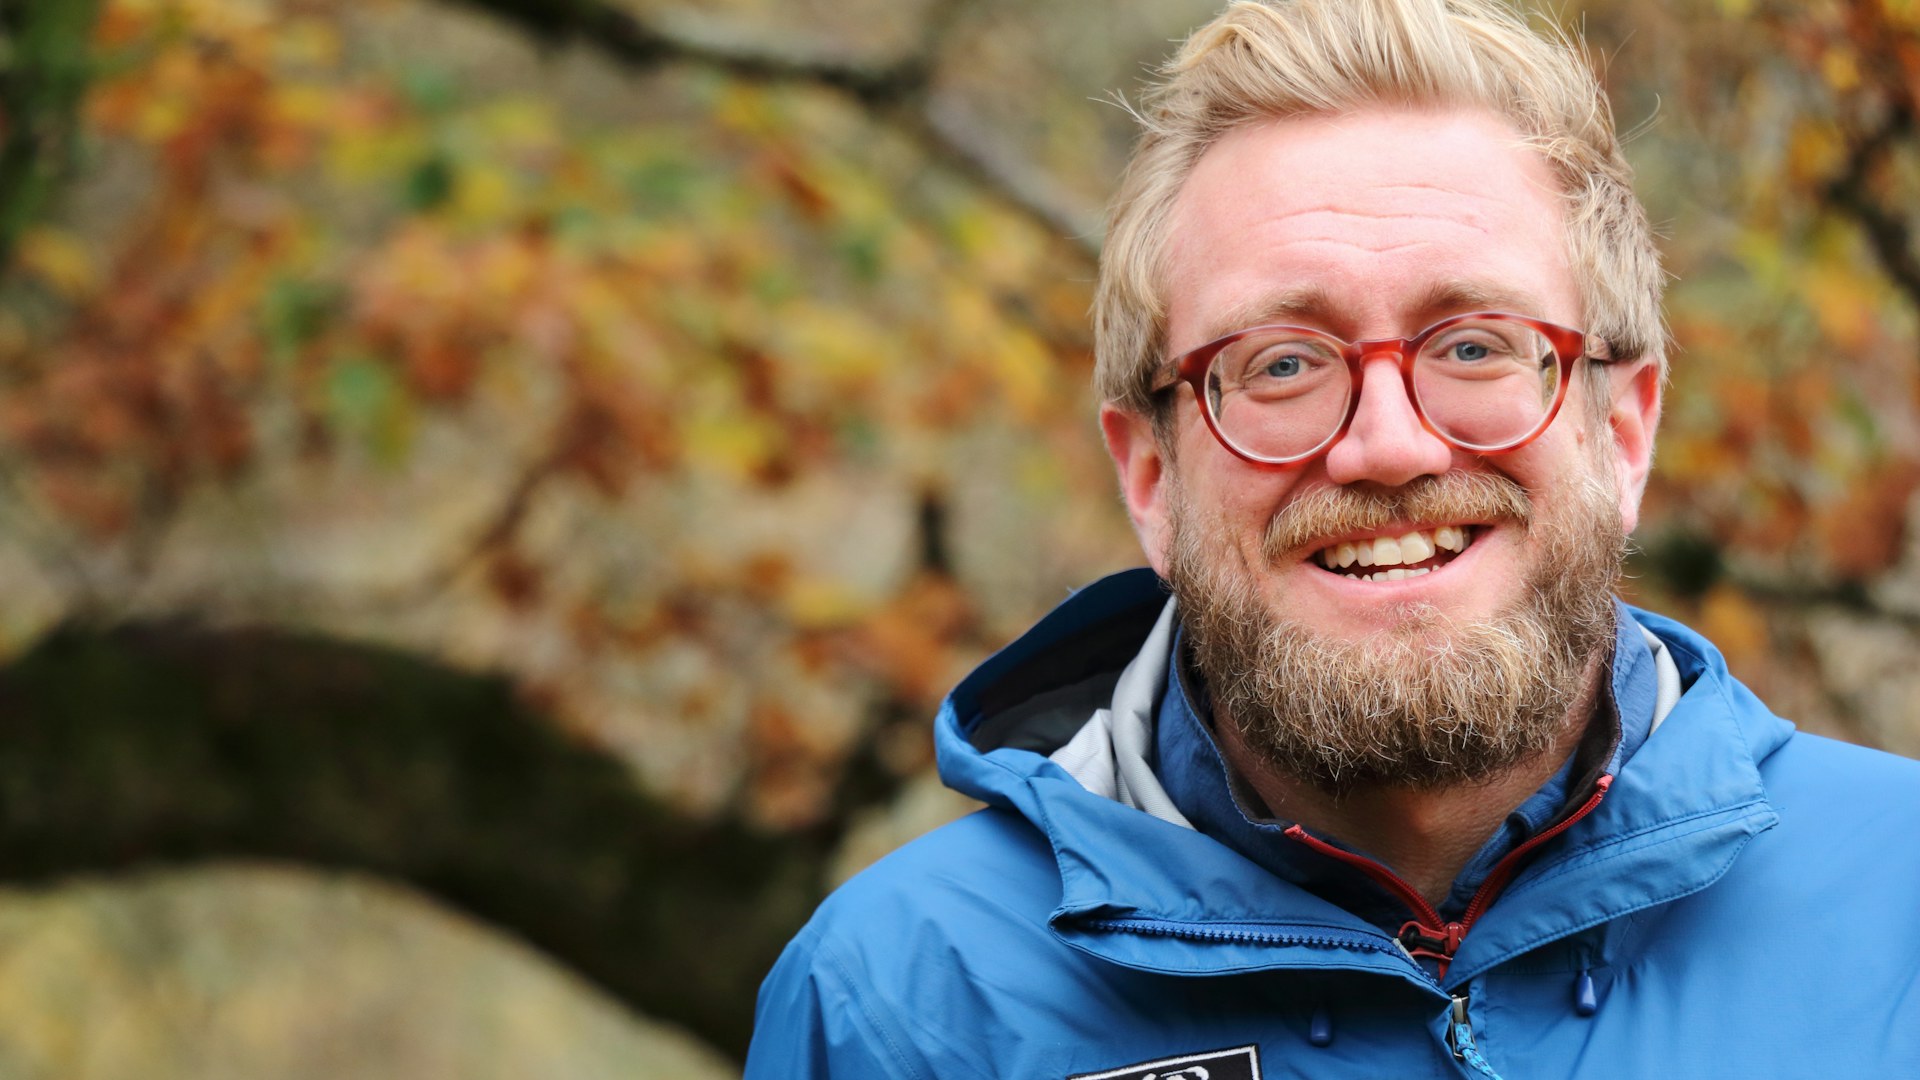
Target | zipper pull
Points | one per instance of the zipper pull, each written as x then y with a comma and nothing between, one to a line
1460,1040
1320,1030
1585,1001
1418,939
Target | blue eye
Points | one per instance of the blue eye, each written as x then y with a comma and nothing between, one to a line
1283,367
1470,351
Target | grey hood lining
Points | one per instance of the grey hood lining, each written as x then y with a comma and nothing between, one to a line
1110,755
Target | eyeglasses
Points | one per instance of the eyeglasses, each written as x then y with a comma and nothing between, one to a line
1486,383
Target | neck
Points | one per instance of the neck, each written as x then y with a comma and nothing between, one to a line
1425,836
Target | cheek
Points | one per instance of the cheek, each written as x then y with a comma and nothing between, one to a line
1237,501
1562,451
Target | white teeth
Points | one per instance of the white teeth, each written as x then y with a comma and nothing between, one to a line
1397,552
1398,573
1337,556
1415,547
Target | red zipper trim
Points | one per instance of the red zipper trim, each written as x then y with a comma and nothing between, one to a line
1393,882
1504,870
1427,934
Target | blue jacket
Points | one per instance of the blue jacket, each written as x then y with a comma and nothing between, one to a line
1744,902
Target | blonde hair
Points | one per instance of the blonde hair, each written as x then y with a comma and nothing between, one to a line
1274,58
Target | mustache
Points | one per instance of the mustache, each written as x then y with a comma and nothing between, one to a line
1448,497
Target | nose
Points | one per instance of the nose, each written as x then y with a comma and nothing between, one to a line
1386,443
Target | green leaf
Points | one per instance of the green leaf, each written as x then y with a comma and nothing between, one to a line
430,89
365,400
663,186
359,390
293,313
430,184
862,252
46,70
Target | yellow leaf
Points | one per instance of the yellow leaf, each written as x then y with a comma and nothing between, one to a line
1735,623
744,108
160,117
1002,250
815,603
1841,68
1843,302
521,122
1025,371
483,193
835,345
309,106
737,444
307,42
59,259
505,270
1814,150
364,152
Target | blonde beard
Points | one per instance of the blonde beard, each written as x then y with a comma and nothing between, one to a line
1433,701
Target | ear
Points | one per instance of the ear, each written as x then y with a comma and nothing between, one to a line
1634,416
1143,478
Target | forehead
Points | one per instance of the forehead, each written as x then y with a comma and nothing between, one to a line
1365,221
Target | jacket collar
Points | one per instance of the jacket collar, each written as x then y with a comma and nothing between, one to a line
1197,779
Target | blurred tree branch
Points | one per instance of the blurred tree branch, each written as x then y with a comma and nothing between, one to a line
167,743
897,91
1888,232
1891,66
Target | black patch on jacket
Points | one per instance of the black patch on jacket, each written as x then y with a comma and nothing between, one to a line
1239,1063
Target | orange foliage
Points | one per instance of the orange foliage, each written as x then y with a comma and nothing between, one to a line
738,290
1864,532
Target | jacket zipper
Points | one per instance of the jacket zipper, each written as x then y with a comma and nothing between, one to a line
1460,1040
1427,934
1459,1029
1163,928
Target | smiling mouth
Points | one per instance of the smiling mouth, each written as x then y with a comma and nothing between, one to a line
1395,558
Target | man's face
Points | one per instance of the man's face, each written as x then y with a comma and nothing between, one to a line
1374,225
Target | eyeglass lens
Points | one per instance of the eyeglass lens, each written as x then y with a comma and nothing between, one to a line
1485,384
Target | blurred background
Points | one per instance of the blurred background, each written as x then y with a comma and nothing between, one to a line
492,492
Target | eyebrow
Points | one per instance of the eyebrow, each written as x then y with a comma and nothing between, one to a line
1313,305
1458,295
1309,304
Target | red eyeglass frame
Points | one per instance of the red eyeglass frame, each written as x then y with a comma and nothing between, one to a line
1569,346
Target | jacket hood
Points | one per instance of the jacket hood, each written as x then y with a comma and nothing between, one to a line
1143,891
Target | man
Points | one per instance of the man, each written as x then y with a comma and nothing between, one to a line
1392,786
